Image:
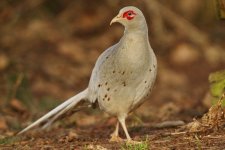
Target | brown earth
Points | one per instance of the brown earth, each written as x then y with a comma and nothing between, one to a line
47,52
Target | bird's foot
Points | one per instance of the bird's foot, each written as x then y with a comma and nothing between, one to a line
115,138
132,142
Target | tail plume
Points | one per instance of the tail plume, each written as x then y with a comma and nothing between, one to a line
58,111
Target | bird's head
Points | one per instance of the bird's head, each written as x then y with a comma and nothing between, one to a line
130,17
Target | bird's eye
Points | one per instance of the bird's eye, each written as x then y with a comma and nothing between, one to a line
129,14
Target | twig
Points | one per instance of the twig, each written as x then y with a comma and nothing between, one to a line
17,84
168,124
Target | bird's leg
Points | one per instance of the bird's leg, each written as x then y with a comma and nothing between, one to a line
122,122
129,140
116,132
115,135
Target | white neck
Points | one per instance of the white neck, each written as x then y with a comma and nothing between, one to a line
141,28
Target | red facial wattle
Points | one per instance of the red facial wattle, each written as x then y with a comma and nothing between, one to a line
129,14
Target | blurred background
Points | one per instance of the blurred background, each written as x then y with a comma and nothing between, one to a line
48,49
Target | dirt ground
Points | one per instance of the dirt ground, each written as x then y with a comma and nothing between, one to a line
47,52
97,138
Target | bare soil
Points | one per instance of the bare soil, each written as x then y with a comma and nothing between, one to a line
47,52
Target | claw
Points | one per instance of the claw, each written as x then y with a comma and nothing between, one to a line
132,142
115,138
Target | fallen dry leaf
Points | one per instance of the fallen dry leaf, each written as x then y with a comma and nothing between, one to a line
96,147
213,120
17,105
184,54
71,136
3,124
4,62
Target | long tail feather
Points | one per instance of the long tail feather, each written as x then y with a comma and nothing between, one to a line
58,111
60,115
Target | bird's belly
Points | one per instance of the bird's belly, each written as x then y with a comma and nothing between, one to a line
118,101
121,95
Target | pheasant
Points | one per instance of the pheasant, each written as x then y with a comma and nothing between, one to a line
122,78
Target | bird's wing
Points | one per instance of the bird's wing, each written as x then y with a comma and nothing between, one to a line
95,76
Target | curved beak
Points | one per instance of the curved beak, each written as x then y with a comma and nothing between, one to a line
115,19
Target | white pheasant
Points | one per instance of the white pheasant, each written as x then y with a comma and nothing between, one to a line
123,75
